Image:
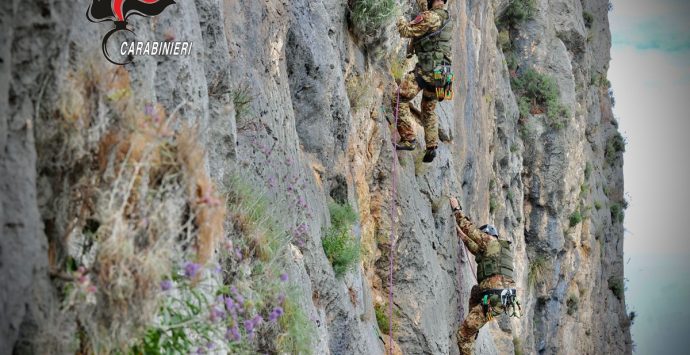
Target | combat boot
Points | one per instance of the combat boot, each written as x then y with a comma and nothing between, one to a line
406,145
429,155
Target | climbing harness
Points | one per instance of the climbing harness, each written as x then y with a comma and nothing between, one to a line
443,81
507,298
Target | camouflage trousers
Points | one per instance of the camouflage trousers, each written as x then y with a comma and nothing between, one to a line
474,320
409,88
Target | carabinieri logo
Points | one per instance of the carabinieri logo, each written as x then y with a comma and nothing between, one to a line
119,11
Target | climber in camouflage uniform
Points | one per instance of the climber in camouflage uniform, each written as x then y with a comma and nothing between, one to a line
431,35
495,293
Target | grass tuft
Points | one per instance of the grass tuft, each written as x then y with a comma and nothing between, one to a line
382,318
368,16
242,99
575,218
340,246
617,213
537,270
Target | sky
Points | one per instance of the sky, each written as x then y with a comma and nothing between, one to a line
650,74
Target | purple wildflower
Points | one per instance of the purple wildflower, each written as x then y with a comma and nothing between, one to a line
148,109
216,313
275,314
281,298
249,325
229,303
166,285
238,296
233,333
191,269
284,277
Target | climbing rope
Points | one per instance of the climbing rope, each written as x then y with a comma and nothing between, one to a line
391,256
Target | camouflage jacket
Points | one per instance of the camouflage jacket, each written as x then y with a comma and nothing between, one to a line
425,22
477,243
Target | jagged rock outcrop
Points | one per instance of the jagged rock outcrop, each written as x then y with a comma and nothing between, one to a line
319,113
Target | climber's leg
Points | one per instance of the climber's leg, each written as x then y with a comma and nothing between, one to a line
408,90
429,118
470,327
430,122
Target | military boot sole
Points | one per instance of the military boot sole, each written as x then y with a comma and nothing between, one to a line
404,146
429,156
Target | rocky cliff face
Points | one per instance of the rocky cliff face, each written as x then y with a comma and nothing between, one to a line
318,110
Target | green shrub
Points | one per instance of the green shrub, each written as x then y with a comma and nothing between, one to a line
367,16
539,92
614,147
572,303
492,204
575,218
340,246
299,329
589,19
517,12
617,213
617,286
382,318
537,270
597,205
524,106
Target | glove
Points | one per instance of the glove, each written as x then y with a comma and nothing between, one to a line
455,205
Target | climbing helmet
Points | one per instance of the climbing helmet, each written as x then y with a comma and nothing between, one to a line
489,229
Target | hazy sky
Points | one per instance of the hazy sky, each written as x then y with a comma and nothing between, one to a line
650,72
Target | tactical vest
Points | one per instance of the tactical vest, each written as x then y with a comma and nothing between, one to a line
498,260
434,48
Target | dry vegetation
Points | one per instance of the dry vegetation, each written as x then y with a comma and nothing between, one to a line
151,204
